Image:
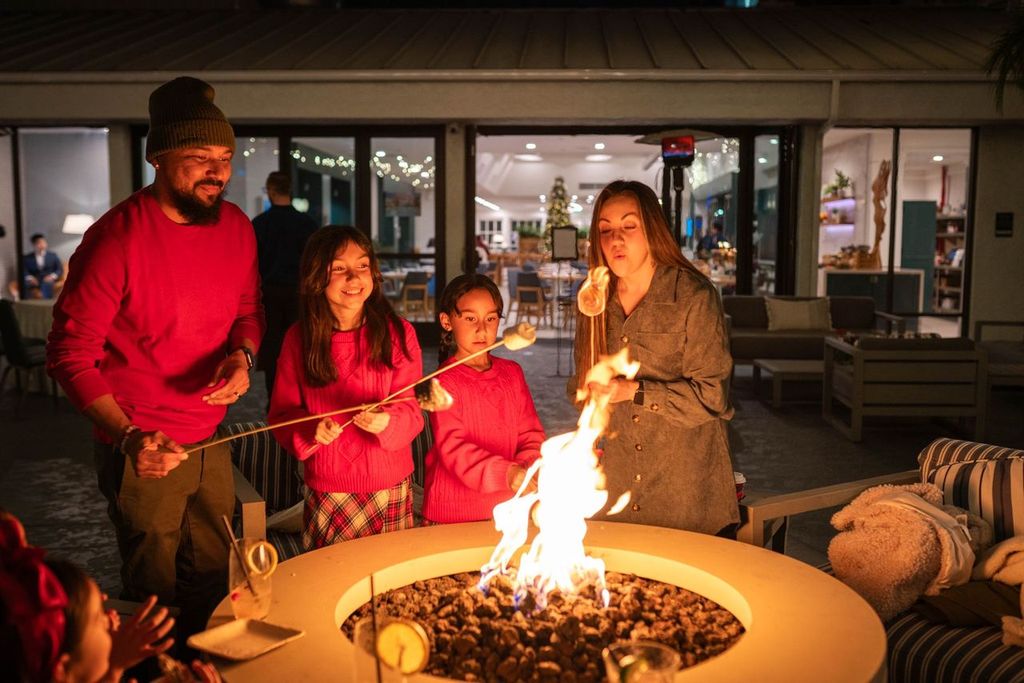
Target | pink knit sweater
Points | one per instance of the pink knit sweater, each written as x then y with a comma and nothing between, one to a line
357,461
492,426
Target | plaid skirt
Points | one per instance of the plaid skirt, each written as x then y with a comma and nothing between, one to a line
329,518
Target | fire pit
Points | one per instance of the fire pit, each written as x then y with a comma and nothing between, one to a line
800,623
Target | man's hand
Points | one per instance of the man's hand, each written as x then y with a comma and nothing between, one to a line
140,637
52,277
375,421
327,430
153,454
233,371
31,279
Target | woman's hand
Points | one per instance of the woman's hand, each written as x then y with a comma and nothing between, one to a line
373,421
140,637
327,430
619,389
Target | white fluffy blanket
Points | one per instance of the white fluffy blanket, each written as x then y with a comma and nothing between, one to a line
1004,562
897,543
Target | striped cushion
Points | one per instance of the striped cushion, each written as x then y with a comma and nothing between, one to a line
921,651
949,451
993,489
287,545
271,471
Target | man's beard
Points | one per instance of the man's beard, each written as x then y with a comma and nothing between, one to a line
193,210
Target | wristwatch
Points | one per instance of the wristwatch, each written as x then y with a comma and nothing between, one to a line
638,397
249,360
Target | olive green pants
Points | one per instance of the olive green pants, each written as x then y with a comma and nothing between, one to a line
169,530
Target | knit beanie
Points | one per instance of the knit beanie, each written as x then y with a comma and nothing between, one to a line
182,114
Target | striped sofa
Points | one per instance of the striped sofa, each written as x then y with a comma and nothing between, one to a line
269,480
989,481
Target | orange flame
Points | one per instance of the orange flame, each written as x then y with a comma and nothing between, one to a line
570,490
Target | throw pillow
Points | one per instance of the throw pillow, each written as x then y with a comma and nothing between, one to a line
945,451
992,489
783,314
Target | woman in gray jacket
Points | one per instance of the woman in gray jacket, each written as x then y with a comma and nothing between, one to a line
666,442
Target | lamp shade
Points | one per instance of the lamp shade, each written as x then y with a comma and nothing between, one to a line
77,223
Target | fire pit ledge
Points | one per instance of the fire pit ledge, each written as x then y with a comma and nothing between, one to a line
802,625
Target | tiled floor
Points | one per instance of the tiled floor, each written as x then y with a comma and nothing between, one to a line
47,478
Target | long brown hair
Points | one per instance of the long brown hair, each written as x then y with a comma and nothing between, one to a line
591,340
448,303
316,320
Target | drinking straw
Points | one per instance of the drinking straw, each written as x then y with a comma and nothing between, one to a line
238,553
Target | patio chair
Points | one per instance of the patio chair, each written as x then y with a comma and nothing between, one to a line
415,297
982,478
530,298
23,354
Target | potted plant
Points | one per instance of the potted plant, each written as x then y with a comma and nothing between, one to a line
529,239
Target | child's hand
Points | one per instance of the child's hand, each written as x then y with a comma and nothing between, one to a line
374,422
327,430
516,474
140,636
205,672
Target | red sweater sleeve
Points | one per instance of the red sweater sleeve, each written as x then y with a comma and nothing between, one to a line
286,402
83,314
476,467
250,322
531,432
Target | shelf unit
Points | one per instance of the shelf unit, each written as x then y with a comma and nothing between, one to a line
948,287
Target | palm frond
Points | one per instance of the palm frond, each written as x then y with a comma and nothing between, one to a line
1007,59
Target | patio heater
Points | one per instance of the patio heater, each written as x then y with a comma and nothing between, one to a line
677,153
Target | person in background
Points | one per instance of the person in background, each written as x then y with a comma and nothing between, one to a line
711,238
348,349
482,252
53,627
281,234
42,269
666,440
486,441
153,337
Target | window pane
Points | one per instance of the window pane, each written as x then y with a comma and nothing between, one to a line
709,210
403,191
931,223
853,242
323,179
766,212
59,200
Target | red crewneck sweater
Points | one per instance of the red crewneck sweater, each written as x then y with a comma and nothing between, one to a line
357,461
150,308
492,425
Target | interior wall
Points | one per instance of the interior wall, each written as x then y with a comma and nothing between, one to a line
997,278
63,171
8,245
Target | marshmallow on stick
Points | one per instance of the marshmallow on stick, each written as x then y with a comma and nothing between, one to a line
593,292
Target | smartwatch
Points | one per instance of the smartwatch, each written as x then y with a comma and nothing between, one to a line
249,360
638,397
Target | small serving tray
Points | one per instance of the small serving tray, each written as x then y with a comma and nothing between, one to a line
243,639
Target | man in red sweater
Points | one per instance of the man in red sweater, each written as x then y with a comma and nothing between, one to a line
153,336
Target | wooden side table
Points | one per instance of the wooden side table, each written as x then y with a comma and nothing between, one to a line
786,370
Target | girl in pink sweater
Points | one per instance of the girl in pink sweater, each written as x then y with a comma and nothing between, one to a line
348,348
485,442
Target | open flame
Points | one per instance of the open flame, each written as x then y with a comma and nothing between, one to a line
570,489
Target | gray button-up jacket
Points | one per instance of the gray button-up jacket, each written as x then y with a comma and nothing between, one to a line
672,452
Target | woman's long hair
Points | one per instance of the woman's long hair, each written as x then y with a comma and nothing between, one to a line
316,320
591,340
448,303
